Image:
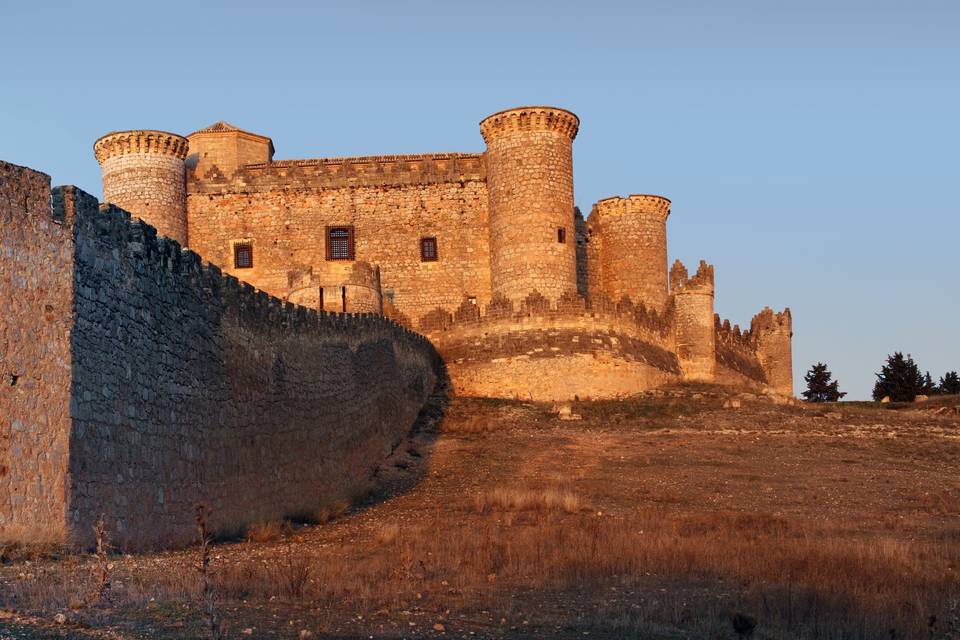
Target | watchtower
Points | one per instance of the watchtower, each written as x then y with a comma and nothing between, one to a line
695,330
633,259
530,183
143,172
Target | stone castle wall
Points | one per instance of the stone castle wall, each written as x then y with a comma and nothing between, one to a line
143,171
284,209
36,286
554,350
178,385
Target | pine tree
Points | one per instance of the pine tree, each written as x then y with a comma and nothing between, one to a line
929,386
949,383
819,386
899,379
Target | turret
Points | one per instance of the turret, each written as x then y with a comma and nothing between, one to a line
225,148
694,320
143,172
772,334
633,258
529,162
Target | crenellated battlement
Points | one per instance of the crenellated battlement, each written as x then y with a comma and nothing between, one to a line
769,321
120,143
701,282
334,173
529,119
535,305
636,204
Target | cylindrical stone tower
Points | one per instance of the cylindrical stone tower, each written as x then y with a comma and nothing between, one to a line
530,182
143,172
634,254
773,335
694,321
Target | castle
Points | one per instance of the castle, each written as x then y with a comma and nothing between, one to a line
259,335
485,253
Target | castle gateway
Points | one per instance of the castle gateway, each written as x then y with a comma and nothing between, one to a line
484,253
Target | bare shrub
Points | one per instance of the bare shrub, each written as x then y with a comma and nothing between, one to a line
267,531
203,568
102,537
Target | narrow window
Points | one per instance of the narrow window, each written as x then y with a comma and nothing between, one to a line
243,255
340,243
561,235
343,295
428,249
321,299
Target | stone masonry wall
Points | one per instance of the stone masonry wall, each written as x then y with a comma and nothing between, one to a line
194,387
736,351
530,180
36,284
284,208
158,383
547,351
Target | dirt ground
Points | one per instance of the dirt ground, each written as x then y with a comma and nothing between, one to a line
669,515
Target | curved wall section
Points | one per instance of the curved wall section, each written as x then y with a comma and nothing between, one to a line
143,173
530,184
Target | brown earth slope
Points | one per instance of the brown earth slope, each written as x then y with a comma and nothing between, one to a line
664,516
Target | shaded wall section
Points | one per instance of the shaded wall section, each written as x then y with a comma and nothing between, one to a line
154,382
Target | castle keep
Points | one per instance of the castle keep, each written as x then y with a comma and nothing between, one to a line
259,334
485,253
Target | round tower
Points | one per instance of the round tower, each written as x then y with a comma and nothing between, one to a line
634,254
143,172
694,321
773,335
530,183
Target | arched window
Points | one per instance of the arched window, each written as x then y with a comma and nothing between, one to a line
340,243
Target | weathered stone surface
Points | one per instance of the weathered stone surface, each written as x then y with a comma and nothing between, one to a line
146,381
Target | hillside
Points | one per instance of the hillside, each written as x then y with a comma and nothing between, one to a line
676,514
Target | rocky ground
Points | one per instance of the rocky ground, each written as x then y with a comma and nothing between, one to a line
688,512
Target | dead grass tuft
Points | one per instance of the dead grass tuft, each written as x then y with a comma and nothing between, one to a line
510,499
268,531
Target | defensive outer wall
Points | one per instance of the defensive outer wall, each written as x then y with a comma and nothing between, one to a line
138,380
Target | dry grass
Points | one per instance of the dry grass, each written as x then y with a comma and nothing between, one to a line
512,499
814,581
268,531
818,529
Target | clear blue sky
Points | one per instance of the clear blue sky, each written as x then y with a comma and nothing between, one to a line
810,148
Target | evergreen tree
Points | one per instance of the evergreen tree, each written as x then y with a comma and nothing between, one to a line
819,386
900,379
949,383
929,386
